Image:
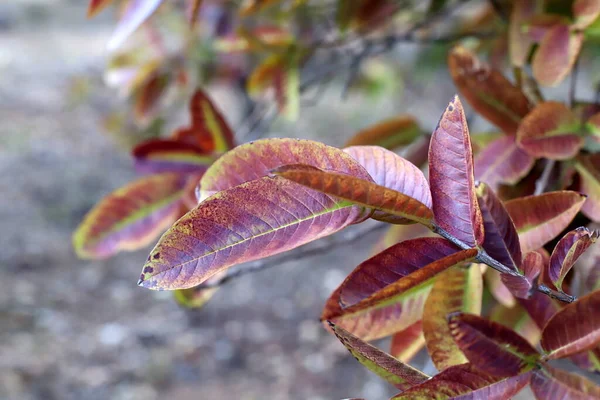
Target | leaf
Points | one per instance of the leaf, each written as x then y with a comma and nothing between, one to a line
588,167
392,205
390,134
540,308
136,13
494,348
451,177
502,161
255,6
257,159
278,76
585,12
209,130
498,289
400,375
523,286
261,38
567,333
517,319
541,218
130,217
399,233
193,298
96,6
568,249
501,238
487,90
408,342
254,220
519,43
556,55
551,383
166,155
466,382
551,130
149,94
456,289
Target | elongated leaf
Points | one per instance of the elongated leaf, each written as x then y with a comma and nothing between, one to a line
391,133
517,319
464,382
257,159
585,12
502,161
541,218
408,342
551,383
130,217
519,43
456,289
401,375
487,90
522,286
588,167
392,265
551,130
567,333
540,308
208,129
494,348
167,155
392,205
256,219
96,6
501,237
392,171
569,248
451,177
556,55
136,13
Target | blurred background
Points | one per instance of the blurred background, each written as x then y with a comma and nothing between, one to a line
74,329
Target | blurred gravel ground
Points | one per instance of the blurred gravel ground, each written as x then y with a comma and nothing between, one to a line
72,329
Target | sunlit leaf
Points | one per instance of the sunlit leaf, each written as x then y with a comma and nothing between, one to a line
551,130
492,347
588,167
456,289
257,159
136,13
96,6
254,220
541,218
517,319
465,382
501,239
393,206
551,383
556,55
567,333
408,342
451,177
487,90
502,161
569,248
522,286
401,375
585,12
391,133
130,217
164,155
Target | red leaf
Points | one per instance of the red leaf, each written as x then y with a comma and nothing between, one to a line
465,382
523,286
541,218
492,347
391,133
130,217
148,95
400,375
588,167
501,238
502,162
451,177
567,251
567,333
407,343
456,289
551,383
540,308
487,90
166,155
556,55
551,130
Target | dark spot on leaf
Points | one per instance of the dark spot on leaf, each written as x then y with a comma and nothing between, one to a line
148,270
156,256
450,108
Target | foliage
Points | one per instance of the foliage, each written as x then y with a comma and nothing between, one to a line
498,212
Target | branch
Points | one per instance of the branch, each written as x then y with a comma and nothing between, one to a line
316,248
542,183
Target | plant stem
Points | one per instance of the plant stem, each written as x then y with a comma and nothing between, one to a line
542,183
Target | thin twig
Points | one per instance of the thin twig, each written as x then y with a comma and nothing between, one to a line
573,83
316,248
542,183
